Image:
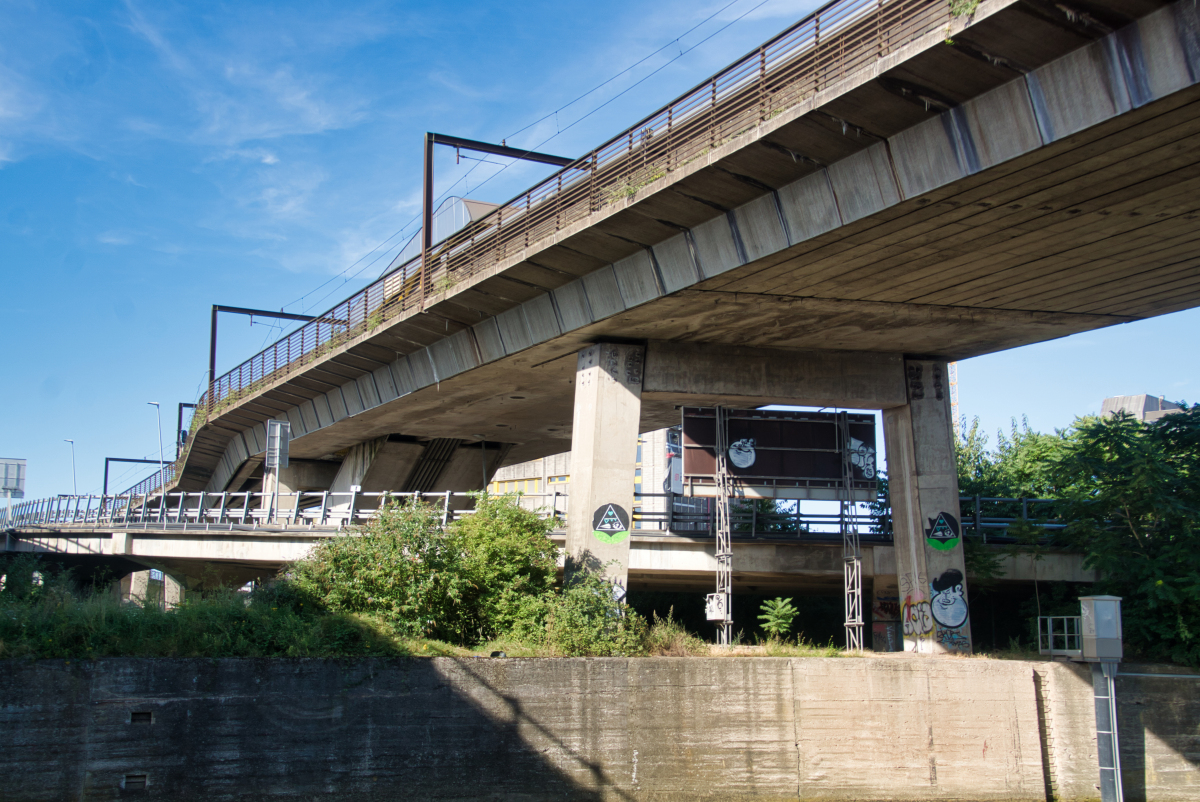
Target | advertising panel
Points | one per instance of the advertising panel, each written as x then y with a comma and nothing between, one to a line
781,454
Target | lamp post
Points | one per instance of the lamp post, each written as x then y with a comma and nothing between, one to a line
74,483
162,479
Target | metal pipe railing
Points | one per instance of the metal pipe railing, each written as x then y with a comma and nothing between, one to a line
654,513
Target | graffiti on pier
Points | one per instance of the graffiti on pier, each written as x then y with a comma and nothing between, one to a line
885,608
953,640
948,606
918,621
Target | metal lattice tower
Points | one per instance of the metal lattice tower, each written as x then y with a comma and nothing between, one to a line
725,491
851,551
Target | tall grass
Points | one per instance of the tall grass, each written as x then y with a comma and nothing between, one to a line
59,621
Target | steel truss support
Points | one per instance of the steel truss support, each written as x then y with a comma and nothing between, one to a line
851,550
724,530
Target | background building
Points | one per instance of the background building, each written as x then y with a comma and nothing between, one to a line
1145,408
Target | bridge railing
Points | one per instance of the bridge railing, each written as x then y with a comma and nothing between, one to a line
825,47
654,514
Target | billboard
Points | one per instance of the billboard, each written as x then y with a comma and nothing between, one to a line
12,477
781,454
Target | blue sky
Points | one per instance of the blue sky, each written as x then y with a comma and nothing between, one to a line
157,158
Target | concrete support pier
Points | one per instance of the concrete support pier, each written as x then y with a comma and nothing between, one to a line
608,405
923,483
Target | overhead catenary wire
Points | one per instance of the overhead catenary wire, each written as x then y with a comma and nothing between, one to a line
347,277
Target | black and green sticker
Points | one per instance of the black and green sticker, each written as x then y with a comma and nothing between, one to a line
610,523
942,533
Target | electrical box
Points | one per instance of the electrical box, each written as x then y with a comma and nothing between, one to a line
714,606
1101,626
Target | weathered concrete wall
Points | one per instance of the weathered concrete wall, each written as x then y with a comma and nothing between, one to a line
897,728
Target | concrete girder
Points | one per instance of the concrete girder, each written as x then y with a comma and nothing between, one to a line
202,560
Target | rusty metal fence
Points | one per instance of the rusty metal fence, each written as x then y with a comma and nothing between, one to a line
830,44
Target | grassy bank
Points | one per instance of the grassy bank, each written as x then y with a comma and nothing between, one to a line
59,621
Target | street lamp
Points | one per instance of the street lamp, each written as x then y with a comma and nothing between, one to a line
74,484
162,478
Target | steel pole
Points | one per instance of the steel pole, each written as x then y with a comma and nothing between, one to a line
74,482
162,481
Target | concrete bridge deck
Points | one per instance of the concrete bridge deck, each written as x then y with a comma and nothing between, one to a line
979,183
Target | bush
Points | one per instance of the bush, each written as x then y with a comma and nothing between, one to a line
670,638
586,619
398,568
485,575
777,616
509,564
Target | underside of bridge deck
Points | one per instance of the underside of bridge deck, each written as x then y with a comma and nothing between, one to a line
1030,175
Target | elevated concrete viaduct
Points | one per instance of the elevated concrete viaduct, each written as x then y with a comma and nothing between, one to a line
661,562
952,187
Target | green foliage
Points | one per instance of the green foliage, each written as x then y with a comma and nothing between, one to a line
777,616
670,638
963,8
1132,499
1018,468
58,619
586,619
483,576
881,508
765,516
1130,493
398,568
509,563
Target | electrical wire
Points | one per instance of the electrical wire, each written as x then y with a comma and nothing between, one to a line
638,63
347,278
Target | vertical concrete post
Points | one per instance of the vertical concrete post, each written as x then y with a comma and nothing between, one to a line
608,406
923,483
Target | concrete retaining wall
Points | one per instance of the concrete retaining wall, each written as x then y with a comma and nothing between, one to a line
645,729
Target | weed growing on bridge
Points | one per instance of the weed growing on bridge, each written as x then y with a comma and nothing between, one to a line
963,8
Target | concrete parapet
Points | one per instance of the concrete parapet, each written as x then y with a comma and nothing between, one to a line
897,728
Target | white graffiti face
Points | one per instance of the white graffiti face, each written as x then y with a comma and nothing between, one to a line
862,456
741,453
949,607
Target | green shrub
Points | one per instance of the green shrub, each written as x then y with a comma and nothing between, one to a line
509,563
670,638
487,574
399,568
57,619
777,616
586,619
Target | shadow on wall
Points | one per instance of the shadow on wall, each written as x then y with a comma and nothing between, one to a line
280,729
1160,740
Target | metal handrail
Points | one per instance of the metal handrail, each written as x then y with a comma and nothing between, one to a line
825,47
337,509
1060,635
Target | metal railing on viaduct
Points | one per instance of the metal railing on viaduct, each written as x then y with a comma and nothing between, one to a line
833,42
216,512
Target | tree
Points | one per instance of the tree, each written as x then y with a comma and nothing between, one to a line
1131,496
777,616
469,582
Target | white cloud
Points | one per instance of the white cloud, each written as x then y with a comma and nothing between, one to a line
242,93
114,238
